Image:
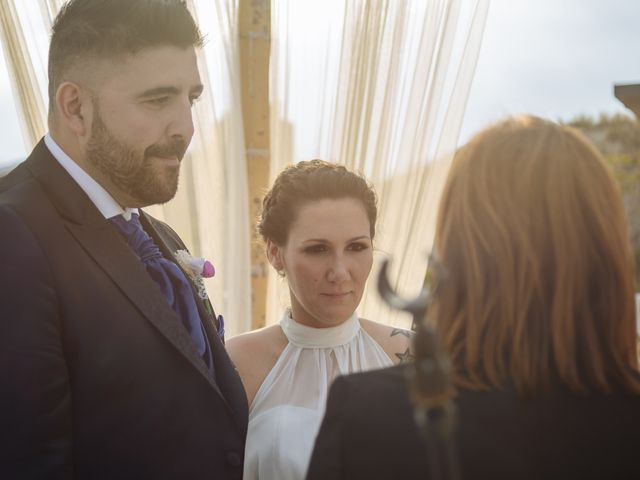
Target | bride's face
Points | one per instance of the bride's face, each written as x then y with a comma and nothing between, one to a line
326,260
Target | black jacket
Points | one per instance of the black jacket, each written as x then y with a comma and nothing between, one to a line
368,433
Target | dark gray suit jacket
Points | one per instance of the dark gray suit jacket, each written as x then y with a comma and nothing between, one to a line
98,377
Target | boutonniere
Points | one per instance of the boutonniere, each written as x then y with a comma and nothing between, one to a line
196,268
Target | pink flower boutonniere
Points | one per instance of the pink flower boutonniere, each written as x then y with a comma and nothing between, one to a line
196,268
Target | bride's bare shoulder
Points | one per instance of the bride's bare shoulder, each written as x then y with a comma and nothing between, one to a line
254,354
396,342
260,342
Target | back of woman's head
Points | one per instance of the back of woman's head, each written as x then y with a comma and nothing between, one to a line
539,283
305,182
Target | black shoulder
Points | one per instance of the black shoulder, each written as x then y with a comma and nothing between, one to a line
18,175
387,385
19,188
369,429
375,380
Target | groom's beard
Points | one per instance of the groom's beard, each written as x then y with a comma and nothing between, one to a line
141,177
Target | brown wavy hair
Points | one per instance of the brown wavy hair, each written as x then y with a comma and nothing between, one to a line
538,286
308,181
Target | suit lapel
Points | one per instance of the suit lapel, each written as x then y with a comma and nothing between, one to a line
226,374
168,246
168,249
108,249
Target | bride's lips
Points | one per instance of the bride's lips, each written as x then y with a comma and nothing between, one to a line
336,294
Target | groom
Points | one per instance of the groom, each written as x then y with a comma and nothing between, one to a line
110,363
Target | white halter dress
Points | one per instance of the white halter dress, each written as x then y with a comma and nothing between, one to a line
287,410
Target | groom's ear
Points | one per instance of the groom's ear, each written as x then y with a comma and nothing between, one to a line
73,108
274,255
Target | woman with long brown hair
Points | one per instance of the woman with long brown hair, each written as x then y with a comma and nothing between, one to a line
535,308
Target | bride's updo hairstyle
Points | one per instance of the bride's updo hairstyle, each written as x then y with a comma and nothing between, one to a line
306,182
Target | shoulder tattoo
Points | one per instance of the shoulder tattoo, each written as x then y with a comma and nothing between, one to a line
400,331
405,357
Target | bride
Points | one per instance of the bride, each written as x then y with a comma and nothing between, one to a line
318,223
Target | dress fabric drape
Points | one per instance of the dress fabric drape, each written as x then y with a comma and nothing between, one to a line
287,410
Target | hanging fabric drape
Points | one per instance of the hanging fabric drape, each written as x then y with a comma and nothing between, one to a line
379,86
24,76
219,208
210,211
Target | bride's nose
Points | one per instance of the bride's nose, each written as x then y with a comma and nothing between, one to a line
338,271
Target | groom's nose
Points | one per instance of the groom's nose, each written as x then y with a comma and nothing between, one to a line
182,122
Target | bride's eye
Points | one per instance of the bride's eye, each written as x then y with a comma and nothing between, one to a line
315,249
358,246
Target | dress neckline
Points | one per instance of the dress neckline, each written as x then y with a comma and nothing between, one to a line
309,337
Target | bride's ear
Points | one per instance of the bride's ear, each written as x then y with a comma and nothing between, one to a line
274,255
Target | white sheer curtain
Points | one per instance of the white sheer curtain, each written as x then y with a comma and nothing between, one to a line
381,87
21,27
210,211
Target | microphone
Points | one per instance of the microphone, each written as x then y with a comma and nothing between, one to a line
429,377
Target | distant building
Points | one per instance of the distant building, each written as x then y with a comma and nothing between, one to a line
629,95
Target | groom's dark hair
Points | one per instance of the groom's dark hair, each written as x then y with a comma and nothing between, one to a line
104,29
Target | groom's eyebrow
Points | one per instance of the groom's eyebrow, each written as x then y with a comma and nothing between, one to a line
196,90
324,240
152,92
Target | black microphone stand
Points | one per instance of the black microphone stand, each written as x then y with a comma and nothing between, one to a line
430,383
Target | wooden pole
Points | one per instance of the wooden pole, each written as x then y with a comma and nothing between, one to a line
255,44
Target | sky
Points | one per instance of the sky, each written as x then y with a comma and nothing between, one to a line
553,58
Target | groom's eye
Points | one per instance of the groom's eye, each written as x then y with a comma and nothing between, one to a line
158,101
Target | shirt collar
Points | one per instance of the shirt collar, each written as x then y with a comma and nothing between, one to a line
103,201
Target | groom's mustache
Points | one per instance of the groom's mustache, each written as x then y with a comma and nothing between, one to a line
176,148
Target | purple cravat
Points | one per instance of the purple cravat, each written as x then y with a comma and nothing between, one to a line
167,275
